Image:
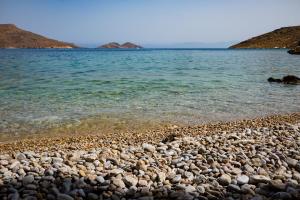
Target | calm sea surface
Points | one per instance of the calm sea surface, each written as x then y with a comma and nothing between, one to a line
44,88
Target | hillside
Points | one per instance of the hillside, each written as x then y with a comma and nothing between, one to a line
286,37
13,37
115,45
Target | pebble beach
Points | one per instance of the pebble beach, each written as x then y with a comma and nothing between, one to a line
248,159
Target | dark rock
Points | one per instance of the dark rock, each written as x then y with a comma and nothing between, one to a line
276,80
290,79
234,188
169,138
92,196
282,195
64,197
28,179
295,51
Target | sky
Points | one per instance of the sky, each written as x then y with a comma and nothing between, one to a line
153,23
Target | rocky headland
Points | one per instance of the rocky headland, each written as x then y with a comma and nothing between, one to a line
295,50
115,45
286,37
13,37
250,159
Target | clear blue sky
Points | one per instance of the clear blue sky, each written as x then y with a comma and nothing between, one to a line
150,21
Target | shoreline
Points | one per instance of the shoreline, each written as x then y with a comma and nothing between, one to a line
248,159
160,132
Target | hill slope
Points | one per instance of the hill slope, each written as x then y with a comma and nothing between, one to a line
13,37
286,37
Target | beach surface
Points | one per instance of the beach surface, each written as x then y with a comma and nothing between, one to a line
247,159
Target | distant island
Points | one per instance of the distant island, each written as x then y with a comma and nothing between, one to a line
13,37
115,45
286,37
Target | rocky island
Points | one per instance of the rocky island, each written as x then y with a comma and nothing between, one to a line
286,37
115,45
13,37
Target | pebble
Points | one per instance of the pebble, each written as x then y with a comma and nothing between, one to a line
28,179
233,187
243,179
161,176
249,169
200,189
118,182
190,189
142,183
100,179
130,180
259,179
176,179
92,196
225,179
148,147
291,162
20,156
257,163
64,197
282,195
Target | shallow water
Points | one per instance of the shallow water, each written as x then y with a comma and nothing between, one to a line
42,88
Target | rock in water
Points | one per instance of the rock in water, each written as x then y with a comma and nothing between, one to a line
275,80
295,50
290,79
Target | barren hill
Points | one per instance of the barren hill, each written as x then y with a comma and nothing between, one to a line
286,37
13,37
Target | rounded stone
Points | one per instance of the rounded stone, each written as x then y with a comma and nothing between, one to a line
242,179
225,179
28,179
130,180
148,147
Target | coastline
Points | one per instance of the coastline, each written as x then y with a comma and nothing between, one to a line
96,138
247,159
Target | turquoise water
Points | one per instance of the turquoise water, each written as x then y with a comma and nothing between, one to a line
43,88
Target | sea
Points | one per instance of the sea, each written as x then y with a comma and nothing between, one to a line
41,89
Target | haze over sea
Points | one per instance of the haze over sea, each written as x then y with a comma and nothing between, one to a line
44,88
